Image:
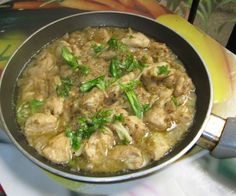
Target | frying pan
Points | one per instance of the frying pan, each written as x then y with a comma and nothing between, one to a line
205,125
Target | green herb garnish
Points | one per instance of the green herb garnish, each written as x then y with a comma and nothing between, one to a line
71,60
97,48
131,63
28,108
75,141
132,97
35,105
97,82
146,107
118,118
174,99
124,142
118,68
64,88
87,126
115,68
115,44
163,70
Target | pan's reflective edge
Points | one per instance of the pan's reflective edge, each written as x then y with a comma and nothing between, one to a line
7,87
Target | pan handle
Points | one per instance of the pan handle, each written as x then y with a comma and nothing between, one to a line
219,137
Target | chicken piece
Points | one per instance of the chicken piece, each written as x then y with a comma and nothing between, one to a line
55,105
129,155
39,123
137,40
157,146
116,107
170,106
53,82
97,147
183,114
164,95
102,35
58,149
136,127
114,91
183,85
34,88
108,54
75,50
147,58
92,101
169,82
143,96
155,73
45,64
60,44
158,71
156,119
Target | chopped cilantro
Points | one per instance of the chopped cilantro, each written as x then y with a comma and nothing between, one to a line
74,139
71,60
118,118
174,99
97,82
97,48
132,97
64,88
28,108
87,126
146,107
130,63
115,67
115,44
163,70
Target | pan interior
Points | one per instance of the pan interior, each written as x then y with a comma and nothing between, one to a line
193,64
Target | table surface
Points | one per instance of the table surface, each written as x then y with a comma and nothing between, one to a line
196,174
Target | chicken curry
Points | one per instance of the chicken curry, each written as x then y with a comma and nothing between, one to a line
105,100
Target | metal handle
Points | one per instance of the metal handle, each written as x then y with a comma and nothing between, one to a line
219,137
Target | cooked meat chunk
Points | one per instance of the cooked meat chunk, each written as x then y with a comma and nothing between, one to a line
154,74
157,146
183,85
34,88
138,40
136,127
170,106
108,54
116,107
156,119
164,95
114,91
92,100
53,82
60,44
103,35
143,96
55,105
158,71
40,123
129,155
98,145
182,114
46,64
58,149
